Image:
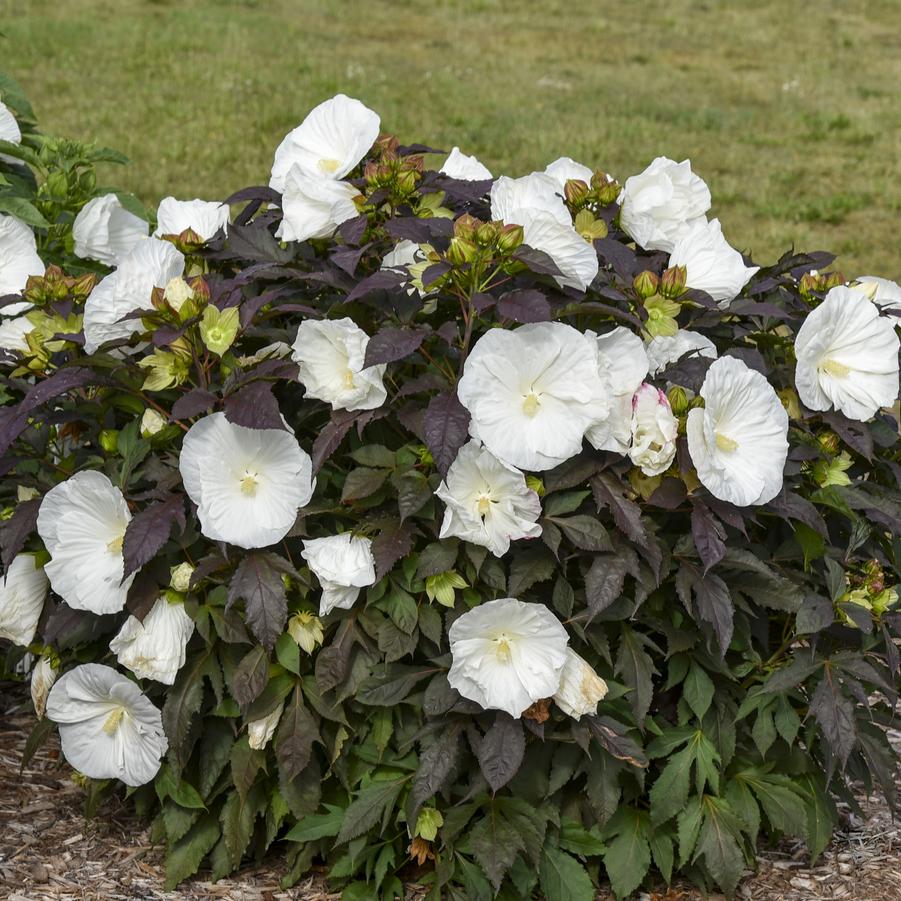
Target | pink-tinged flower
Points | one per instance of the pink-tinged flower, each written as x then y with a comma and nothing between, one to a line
654,431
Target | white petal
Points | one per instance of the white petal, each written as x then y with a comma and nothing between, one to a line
664,350
204,217
105,231
535,193
465,168
18,260
13,332
573,255
581,688
314,207
23,591
565,169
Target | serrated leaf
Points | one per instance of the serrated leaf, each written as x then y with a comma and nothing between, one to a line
297,730
390,344
527,569
628,855
237,817
634,664
563,878
698,690
182,705
258,581
149,530
437,763
604,582
495,844
585,532
526,305
445,429
361,483
670,790
834,712
254,407
250,677
370,806
718,845
184,858
501,751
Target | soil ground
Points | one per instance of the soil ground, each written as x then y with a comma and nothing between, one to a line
49,851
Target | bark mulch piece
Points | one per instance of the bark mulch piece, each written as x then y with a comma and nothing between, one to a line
49,851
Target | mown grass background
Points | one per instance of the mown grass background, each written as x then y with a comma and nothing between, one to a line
790,110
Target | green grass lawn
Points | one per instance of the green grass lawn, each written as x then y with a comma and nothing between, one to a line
791,111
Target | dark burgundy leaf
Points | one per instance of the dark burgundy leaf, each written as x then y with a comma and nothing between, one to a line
330,438
142,595
297,730
393,543
610,493
670,495
855,434
353,230
67,628
524,306
250,677
258,581
254,407
420,231
390,344
383,280
255,242
604,582
445,429
149,530
348,259
789,505
437,763
611,736
15,531
617,255
708,534
834,712
536,260
333,660
195,402
261,193
501,751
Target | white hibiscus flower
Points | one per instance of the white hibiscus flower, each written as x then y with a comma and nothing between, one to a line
332,139
152,263
107,232
533,393
155,648
624,365
407,257
738,441
248,484
655,205
18,261
664,350
260,732
314,207
107,728
537,193
882,291
9,128
465,168
42,678
711,264
343,564
330,355
581,688
23,591
565,169
506,655
847,356
488,502
82,523
654,431
14,332
204,217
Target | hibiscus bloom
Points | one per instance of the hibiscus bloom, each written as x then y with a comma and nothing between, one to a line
581,688
42,678
330,355
847,356
537,192
408,258
155,648
533,393
506,655
738,441
13,334
82,523
487,501
882,291
314,207
654,431
565,169
18,261
624,364
464,168
23,591
152,263
664,350
107,232
711,264
655,205
343,564
9,129
107,728
332,139
204,217
248,484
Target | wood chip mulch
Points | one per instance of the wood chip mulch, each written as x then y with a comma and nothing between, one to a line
49,851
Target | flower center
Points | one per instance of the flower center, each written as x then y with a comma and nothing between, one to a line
349,379
483,506
113,721
329,166
530,404
115,546
249,483
503,647
725,443
833,367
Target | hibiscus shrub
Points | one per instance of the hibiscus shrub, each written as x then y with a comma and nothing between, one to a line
504,535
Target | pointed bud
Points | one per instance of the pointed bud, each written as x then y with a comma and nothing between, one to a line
833,280
487,234
576,192
646,284
406,181
672,283
83,285
109,440
460,251
510,238
809,284
466,226
829,442
678,400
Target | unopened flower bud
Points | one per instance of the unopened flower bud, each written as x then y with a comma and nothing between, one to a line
24,493
180,576
809,284
260,732
177,291
460,251
466,226
672,283
678,400
510,238
646,284
152,422
833,280
306,629
109,440
406,181
791,402
576,192
83,285
486,234
42,678
829,442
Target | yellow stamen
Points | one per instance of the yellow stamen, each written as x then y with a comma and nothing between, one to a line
724,443
329,166
349,379
484,505
115,546
503,648
113,720
833,367
249,484
531,404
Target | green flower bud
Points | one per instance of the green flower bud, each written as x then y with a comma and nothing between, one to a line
109,440
678,400
672,283
576,192
646,284
487,234
152,422
510,238
461,251
833,280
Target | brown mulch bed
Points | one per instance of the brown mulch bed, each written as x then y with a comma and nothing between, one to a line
49,851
